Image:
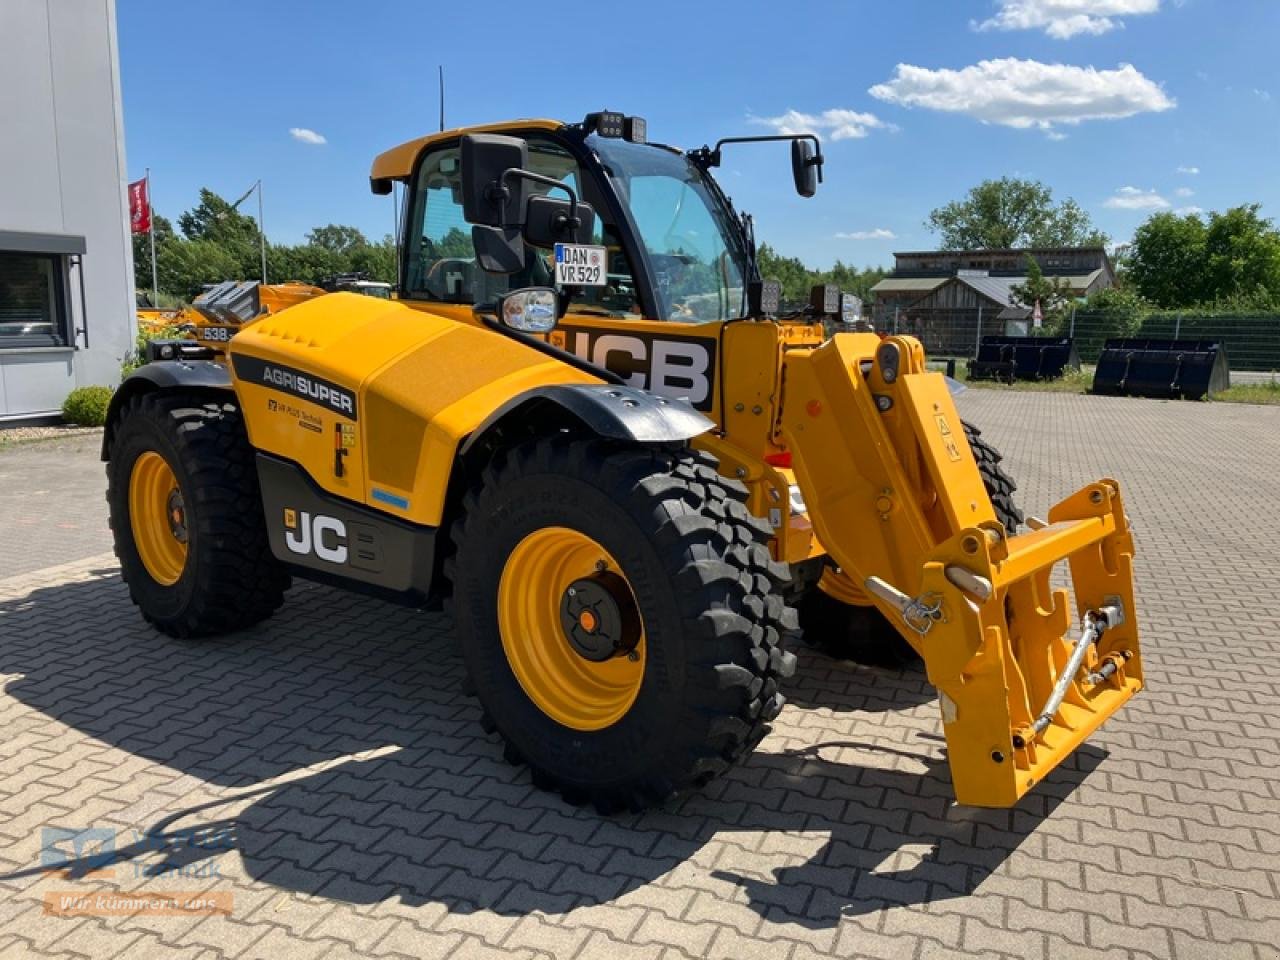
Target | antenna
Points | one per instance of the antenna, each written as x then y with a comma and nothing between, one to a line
442,98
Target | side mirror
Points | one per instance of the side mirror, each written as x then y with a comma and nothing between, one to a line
547,222
531,310
498,249
488,198
806,167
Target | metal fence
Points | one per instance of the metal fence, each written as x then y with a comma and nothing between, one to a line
1251,342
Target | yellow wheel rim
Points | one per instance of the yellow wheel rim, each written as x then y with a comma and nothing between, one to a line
534,600
158,518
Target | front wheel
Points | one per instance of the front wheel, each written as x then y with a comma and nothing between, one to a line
620,617
186,516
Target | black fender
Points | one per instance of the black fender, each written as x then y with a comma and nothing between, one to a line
164,375
616,412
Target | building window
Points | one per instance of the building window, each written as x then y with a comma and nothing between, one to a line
33,300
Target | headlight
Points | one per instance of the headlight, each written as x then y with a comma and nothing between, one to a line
797,499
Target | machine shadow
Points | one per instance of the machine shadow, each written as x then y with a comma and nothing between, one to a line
434,815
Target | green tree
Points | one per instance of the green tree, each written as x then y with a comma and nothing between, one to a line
1182,261
378,260
855,281
186,265
1166,261
1242,251
1052,293
216,220
456,243
142,251
1010,213
337,238
796,279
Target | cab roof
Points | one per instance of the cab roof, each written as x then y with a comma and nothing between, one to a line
397,163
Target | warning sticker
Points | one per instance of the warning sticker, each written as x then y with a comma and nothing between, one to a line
948,438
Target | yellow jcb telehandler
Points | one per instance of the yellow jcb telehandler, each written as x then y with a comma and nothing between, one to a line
588,428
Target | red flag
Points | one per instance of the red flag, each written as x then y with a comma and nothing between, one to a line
139,207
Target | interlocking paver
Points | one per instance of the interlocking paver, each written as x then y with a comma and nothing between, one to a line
359,810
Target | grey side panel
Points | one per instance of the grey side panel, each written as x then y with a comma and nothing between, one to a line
164,375
616,412
311,530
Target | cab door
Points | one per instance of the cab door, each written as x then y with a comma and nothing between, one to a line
604,325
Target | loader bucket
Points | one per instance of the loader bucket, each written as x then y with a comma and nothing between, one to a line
895,496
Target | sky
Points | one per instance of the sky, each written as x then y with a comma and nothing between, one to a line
1128,106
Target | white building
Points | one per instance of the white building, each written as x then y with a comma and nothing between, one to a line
66,261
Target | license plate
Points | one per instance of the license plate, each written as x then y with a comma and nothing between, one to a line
580,265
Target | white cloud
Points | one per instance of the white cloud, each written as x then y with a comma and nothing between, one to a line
1056,136
1026,93
1263,95
1184,192
836,124
1189,171
1192,211
303,135
1131,198
879,233
1064,19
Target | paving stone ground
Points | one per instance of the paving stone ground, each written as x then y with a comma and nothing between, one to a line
324,775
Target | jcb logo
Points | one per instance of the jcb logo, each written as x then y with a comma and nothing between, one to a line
682,368
326,537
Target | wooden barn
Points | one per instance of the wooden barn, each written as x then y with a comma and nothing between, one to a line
966,281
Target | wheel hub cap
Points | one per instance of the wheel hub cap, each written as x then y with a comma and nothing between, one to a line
177,515
599,617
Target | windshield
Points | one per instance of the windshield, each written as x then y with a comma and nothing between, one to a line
698,262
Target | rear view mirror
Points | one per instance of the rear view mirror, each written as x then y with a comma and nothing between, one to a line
531,310
805,167
498,249
489,198
547,222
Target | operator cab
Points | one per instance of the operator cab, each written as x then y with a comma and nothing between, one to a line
657,238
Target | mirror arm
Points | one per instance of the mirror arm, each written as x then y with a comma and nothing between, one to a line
529,175
710,156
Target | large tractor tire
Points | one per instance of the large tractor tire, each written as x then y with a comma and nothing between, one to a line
186,516
620,617
862,634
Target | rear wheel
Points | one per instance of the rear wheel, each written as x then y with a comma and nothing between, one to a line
862,634
620,617
186,516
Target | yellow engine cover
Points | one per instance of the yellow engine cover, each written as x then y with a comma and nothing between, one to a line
372,398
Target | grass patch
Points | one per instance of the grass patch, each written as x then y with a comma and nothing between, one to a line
1073,381
1266,392
1081,381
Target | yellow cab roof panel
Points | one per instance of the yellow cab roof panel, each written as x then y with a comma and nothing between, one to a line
397,163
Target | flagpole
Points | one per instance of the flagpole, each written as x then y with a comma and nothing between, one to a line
262,234
151,223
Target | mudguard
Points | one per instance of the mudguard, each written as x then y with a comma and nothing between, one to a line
615,412
164,375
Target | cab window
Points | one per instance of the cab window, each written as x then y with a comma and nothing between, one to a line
441,258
